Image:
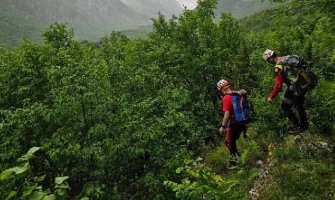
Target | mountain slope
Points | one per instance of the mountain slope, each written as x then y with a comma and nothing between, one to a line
91,19
167,8
241,8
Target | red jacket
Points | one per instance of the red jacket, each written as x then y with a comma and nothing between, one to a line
279,79
227,105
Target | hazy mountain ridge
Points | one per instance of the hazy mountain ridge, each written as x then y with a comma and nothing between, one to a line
91,19
241,8
93,13
167,8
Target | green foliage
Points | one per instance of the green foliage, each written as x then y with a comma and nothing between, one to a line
323,115
325,5
200,182
241,8
301,172
57,35
322,42
118,120
23,183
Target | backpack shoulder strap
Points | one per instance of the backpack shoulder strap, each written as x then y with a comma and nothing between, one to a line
238,93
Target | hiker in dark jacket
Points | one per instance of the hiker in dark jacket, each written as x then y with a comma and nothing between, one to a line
295,92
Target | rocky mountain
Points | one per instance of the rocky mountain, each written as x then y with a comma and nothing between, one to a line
89,18
119,14
93,19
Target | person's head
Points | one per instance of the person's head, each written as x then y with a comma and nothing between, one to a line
223,86
270,56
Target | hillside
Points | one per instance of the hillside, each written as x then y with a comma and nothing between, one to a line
242,8
150,8
141,118
91,19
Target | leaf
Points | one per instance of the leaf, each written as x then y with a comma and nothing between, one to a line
20,170
199,159
41,178
60,180
17,170
11,195
47,191
218,178
230,187
28,190
6,173
33,150
254,172
60,192
29,154
49,197
37,195
179,170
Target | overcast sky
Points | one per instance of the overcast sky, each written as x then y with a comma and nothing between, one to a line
190,4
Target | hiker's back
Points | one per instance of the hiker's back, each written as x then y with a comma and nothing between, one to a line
293,61
306,79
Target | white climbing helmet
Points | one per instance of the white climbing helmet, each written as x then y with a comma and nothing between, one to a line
222,84
267,54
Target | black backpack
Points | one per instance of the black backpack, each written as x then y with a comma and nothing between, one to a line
307,79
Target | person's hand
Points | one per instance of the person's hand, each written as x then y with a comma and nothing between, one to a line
270,99
221,130
293,88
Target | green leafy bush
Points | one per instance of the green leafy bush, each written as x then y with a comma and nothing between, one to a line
24,183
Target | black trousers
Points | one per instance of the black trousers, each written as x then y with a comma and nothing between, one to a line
236,130
290,100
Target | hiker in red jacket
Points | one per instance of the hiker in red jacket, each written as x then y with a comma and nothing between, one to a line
229,126
295,92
